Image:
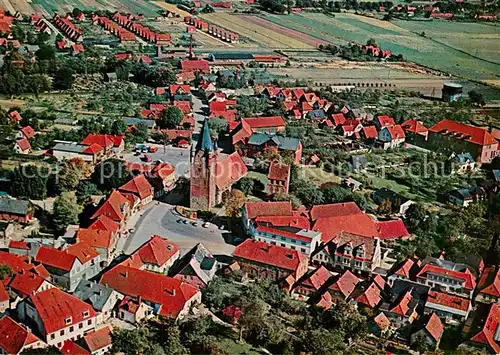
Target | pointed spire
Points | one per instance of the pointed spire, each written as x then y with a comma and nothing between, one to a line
205,141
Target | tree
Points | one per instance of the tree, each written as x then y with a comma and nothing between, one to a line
322,342
110,174
245,185
63,79
233,202
476,98
130,341
84,190
217,126
415,216
45,53
213,294
30,181
170,118
173,344
66,210
288,197
371,42
5,270
308,193
118,127
50,350
68,178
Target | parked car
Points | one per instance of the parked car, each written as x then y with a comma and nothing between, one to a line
153,149
195,224
146,158
206,225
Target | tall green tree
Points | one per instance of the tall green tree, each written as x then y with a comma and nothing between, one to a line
30,181
66,210
170,118
110,174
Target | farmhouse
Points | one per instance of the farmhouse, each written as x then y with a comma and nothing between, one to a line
15,210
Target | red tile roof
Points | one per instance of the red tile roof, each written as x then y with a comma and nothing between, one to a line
55,307
112,207
317,278
370,132
274,255
82,251
335,210
385,120
98,339
490,281
217,106
396,131
403,305
464,132
370,297
157,251
71,348
229,170
93,149
103,140
466,276
265,122
434,327
382,321
4,296
284,221
242,132
17,263
405,268
379,280
359,224
18,244
175,88
78,48
59,259
103,222
14,337
338,118
414,126
261,209
487,334
191,65
392,229
163,170
448,300
170,293
15,115
278,171
23,144
345,284
26,283
138,186
28,132
96,238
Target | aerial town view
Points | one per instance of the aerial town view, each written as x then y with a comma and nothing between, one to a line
249,177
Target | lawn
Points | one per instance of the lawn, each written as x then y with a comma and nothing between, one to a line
403,37
234,348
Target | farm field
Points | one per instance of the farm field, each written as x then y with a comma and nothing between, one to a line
255,32
171,7
349,27
49,7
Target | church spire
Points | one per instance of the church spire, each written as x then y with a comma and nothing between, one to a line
205,141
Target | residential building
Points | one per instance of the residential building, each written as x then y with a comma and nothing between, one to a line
390,137
59,316
197,267
15,210
310,284
162,177
22,146
103,299
68,266
264,261
343,286
265,144
448,307
431,331
402,311
406,270
134,311
15,338
382,121
266,125
415,131
447,276
367,295
157,255
117,207
456,137
69,150
399,204
28,283
278,178
253,210
303,240
167,296
99,341
109,143
26,132
139,187
488,287
352,252
464,197
488,325
463,163
102,235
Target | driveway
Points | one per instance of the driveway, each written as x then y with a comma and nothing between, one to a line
161,219
178,157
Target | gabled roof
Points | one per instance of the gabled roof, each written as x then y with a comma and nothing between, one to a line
19,244
370,132
23,144
265,122
16,262
405,268
261,209
162,170
370,297
267,254
414,126
55,307
345,284
28,132
402,306
25,283
379,280
488,331
385,120
335,210
448,300
191,65
59,259
490,281
338,118
434,327
71,348
138,186
96,238
382,321
112,207
466,276
103,140
284,221
14,337
278,171
316,278
94,148
4,296
156,251
105,223
395,131
464,132
98,339
170,293
198,261
391,229
82,251
229,170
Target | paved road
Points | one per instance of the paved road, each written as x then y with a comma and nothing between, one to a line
161,219
178,157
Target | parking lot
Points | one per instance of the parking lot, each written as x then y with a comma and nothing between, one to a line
178,157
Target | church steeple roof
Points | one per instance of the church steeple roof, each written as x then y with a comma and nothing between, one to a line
205,141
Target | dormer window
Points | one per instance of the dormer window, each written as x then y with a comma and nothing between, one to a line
360,252
85,314
68,320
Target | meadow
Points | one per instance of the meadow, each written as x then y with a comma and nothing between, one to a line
444,51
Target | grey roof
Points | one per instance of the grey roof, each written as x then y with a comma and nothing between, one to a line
13,206
316,114
198,261
418,291
70,147
131,121
285,143
467,192
93,293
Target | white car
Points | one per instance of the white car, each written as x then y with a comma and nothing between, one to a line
206,225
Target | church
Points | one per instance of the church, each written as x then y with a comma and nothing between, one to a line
212,172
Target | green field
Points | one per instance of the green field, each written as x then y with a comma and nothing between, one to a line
61,6
400,37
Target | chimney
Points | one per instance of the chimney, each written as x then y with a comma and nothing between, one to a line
170,292
124,274
158,51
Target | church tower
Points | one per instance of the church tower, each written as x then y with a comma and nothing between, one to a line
203,162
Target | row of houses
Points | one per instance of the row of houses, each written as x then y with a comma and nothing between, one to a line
71,31
211,29
146,33
123,34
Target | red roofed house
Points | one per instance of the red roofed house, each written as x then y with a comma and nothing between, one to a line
448,276
343,286
22,146
59,316
407,270
369,297
108,142
15,116
181,89
140,187
402,311
70,347
247,126
99,341
310,284
486,338
15,338
390,137
431,331
68,266
278,178
450,308
157,254
264,261
134,310
26,132
169,297
28,283
102,239
384,121
77,49
415,131
488,288
369,133
195,65
253,210
459,137
117,207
